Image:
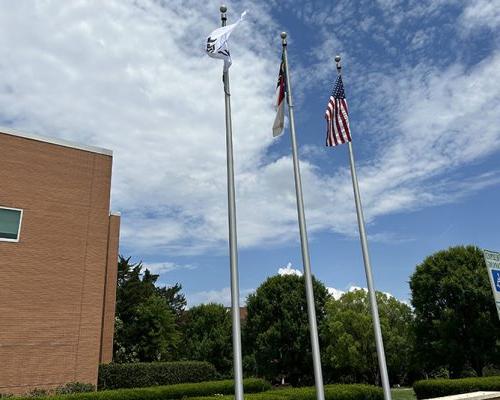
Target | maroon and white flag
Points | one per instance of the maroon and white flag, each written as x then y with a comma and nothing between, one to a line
337,116
279,121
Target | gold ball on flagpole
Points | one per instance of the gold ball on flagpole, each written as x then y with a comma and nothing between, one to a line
223,8
337,58
283,35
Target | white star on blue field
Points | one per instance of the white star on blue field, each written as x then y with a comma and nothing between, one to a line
421,79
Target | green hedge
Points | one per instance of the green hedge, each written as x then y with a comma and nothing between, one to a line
137,375
430,388
332,392
171,392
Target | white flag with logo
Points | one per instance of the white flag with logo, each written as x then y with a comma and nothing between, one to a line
217,46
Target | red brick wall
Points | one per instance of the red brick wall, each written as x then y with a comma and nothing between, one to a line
108,316
52,282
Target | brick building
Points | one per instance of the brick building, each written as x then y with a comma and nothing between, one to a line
58,256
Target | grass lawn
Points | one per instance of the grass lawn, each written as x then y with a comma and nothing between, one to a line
403,394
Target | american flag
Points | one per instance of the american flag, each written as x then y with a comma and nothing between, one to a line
336,115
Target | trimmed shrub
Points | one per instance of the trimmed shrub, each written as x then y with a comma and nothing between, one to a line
137,375
37,392
491,370
171,392
430,388
332,392
75,387
353,392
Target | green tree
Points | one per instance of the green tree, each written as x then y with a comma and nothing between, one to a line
276,332
350,353
174,299
456,324
207,336
133,287
144,310
155,330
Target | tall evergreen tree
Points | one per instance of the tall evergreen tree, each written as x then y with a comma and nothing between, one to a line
145,328
174,298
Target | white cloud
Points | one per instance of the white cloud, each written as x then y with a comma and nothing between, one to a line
353,288
167,266
481,14
288,270
131,76
338,293
222,296
421,38
431,131
420,124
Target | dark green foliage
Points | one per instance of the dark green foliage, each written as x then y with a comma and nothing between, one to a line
171,392
137,375
276,332
349,353
456,323
175,300
146,316
332,392
154,329
491,370
427,389
69,388
133,287
337,392
207,336
75,387
36,392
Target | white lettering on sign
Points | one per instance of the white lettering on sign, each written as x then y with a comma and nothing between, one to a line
492,260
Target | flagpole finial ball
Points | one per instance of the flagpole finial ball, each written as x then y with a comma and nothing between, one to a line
337,58
283,35
223,8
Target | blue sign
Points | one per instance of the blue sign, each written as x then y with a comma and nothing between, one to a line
496,278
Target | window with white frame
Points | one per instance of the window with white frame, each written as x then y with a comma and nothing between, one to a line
10,224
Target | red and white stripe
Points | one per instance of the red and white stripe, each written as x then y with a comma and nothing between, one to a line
337,122
279,120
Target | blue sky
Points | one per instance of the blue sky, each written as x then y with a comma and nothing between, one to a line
422,82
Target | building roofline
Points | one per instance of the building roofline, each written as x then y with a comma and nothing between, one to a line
56,141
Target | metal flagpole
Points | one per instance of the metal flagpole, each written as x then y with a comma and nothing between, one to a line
233,250
313,328
368,270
